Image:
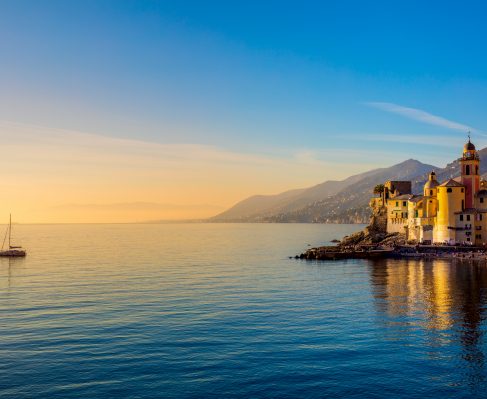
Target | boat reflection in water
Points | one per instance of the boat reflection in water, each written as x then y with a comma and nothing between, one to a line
438,305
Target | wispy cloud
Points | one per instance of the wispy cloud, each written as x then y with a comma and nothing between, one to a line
412,138
422,116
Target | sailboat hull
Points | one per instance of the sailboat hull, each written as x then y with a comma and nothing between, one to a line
13,253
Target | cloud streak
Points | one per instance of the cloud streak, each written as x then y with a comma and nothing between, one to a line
422,116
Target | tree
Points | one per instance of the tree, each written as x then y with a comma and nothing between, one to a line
379,189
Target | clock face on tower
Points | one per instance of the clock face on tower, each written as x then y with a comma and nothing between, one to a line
468,154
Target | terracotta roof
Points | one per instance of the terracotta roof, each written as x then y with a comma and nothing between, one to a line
451,183
401,197
416,198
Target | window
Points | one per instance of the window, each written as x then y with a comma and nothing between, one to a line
481,200
462,190
397,203
431,202
404,203
461,218
476,170
467,169
448,190
468,218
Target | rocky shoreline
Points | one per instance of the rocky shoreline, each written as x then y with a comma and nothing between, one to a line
369,244
398,252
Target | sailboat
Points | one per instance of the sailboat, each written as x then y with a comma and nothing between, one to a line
12,251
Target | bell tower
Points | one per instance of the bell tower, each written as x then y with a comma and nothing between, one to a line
470,172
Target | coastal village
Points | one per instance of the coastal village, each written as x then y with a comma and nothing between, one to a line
448,219
450,212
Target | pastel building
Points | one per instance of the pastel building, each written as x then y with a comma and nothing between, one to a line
454,211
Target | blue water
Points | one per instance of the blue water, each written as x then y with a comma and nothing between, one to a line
219,310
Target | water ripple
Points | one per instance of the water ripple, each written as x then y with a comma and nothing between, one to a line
192,311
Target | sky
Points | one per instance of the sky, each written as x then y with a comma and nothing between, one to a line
124,111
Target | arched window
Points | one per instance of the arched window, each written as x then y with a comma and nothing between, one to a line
431,192
467,169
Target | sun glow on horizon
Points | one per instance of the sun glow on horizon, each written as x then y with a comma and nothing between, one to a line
60,176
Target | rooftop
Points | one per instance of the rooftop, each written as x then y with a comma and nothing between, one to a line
451,183
402,197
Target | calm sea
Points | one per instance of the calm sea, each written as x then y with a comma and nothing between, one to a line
219,310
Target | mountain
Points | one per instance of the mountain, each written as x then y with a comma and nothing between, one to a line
344,201
259,206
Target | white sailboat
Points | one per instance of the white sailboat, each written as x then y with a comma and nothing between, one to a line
12,251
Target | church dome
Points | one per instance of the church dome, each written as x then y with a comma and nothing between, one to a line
469,146
431,184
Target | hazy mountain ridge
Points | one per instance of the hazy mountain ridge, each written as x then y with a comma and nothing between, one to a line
350,205
343,201
323,202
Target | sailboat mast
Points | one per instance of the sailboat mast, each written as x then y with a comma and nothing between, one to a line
10,231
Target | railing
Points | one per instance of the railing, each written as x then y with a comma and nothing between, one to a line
398,220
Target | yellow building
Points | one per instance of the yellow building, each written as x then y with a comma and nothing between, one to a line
452,212
451,200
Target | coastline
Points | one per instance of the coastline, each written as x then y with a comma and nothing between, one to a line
370,251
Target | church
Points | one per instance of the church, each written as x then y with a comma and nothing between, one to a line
451,212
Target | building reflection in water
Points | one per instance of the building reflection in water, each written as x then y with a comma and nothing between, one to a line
444,299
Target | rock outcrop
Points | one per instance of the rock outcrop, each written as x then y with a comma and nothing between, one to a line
376,231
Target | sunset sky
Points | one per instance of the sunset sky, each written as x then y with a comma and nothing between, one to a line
123,111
